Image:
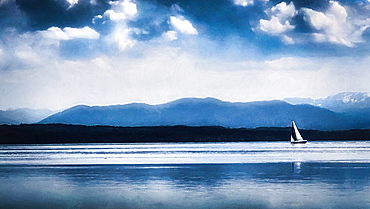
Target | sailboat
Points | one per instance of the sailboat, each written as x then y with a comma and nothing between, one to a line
296,137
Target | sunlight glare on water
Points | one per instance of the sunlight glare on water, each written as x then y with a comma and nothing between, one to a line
185,153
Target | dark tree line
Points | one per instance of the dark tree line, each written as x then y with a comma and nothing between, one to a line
61,133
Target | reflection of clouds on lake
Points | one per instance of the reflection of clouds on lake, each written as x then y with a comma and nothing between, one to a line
255,185
186,175
63,192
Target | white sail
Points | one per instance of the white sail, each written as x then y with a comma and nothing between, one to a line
295,136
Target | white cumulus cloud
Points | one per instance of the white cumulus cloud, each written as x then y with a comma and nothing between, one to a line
335,25
119,14
125,7
121,36
120,11
170,35
72,2
183,25
68,33
280,21
129,7
114,16
244,3
274,26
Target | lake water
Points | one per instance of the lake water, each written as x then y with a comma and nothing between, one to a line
186,175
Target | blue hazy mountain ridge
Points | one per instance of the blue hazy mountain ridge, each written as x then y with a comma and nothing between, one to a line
208,112
23,115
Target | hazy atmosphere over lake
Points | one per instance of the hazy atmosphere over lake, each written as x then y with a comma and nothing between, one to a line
59,53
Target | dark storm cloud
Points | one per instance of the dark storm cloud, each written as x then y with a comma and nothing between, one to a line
223,18
43,14
10,16
220,21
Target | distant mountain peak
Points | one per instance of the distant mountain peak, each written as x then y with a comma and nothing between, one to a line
349,97
196,99
23,115
299,100
341,102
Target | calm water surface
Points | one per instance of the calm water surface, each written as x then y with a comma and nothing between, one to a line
186,175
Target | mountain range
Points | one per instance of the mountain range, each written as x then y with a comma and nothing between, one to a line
23,115
349,110
214,112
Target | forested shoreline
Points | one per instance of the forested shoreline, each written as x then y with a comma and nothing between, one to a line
61,133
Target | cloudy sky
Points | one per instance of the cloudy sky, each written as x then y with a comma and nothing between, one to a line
59,53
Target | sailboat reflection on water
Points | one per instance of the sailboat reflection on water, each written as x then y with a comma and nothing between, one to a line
296,167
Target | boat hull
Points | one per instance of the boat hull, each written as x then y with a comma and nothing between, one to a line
299,142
